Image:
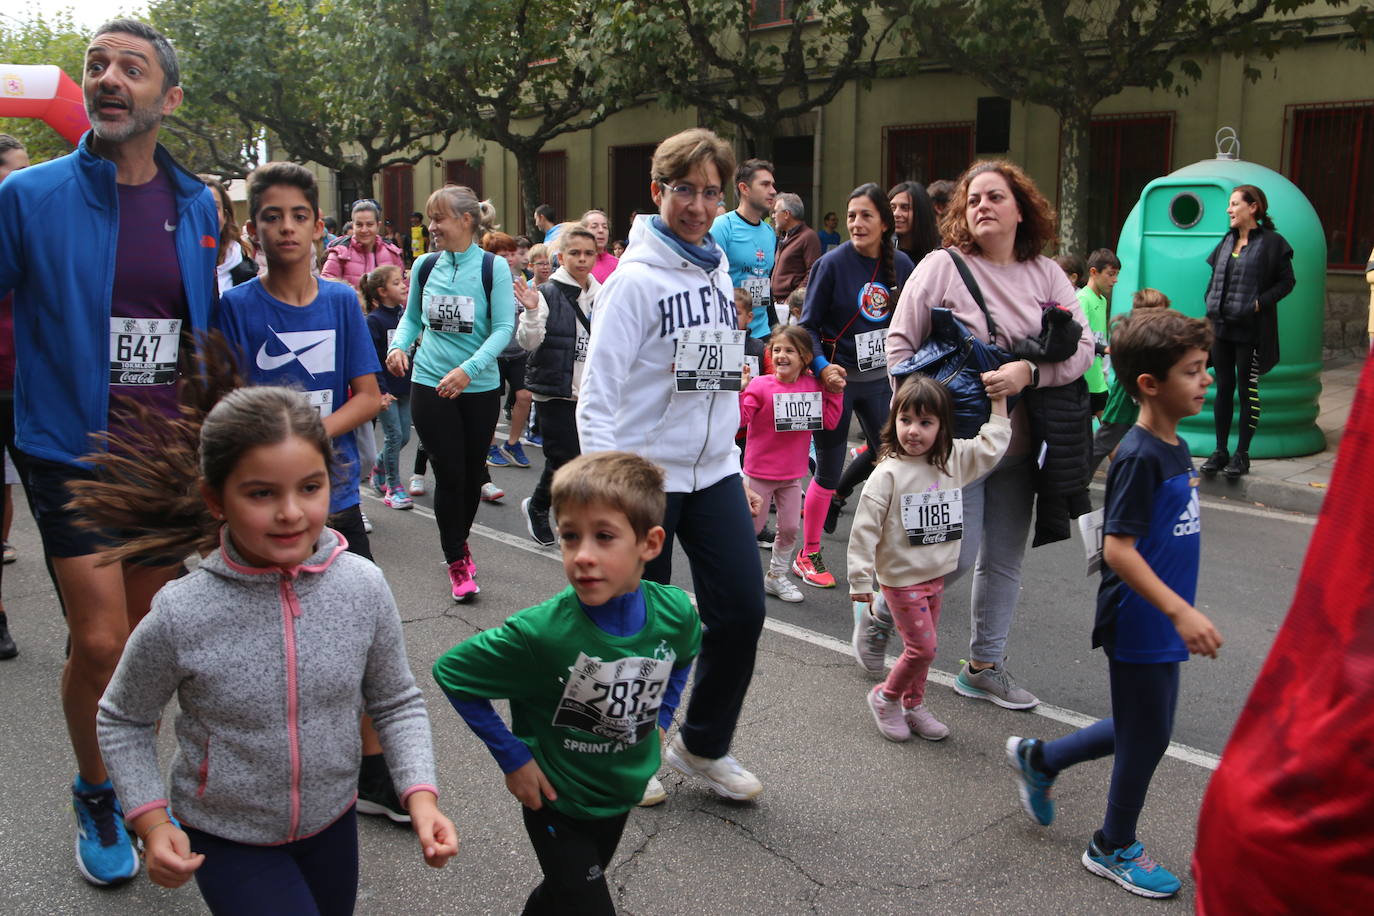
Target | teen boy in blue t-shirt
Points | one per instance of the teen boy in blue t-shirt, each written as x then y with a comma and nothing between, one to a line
1146,622
294,329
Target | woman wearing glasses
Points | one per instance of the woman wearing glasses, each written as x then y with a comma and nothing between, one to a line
365,251
660,344
849,301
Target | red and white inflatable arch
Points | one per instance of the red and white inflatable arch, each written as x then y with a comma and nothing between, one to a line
44,92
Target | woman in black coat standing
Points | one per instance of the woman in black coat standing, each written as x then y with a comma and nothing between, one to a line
1252,269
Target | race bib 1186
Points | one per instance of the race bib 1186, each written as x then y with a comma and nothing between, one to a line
933,517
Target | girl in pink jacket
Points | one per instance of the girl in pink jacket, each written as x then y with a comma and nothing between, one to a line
781,411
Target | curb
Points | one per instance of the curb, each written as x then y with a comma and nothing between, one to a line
1273,494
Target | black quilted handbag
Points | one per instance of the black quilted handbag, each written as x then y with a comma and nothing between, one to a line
956,358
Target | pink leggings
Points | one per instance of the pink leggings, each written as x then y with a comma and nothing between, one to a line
788,495
916,610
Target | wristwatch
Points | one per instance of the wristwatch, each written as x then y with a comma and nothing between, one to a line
1035,374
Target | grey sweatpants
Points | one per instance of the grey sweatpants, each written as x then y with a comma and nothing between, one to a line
997,517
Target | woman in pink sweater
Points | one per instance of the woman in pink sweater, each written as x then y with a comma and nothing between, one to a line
781,411
365,251
999,222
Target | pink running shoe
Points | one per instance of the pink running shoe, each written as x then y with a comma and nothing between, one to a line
460,576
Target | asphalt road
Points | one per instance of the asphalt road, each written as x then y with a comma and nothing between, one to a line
848,823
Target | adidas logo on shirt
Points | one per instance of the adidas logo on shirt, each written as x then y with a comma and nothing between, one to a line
1189,522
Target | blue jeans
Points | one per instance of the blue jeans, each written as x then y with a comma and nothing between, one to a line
395,422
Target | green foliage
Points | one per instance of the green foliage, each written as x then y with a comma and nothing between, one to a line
708,54
327,79
518,73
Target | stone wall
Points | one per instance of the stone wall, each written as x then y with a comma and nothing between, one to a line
1347,316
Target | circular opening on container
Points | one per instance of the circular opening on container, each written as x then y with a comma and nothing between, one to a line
1185,210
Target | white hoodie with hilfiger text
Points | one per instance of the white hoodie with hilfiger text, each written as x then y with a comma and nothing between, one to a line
628,399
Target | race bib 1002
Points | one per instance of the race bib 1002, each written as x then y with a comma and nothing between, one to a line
871,349
709,360
143,351
617,699
796,410
453,314
933,517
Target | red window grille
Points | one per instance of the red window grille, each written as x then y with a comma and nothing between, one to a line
398,193
927,152
772,12
463,172
1125,153
552,170
1332,162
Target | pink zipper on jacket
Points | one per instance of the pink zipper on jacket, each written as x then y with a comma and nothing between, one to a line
290,610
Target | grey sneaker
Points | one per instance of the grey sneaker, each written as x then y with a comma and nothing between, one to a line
872,630
922,722
995,685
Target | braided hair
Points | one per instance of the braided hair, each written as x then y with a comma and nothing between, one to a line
887,267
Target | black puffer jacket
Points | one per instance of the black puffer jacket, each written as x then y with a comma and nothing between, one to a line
1061,419
1261,275
549,371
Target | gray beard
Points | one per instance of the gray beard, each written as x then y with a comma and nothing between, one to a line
141,120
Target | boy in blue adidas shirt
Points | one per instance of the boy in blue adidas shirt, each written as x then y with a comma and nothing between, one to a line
1146,622
294,329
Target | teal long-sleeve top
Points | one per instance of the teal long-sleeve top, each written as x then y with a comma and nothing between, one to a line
459,273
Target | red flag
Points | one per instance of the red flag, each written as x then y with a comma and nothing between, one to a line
1287,824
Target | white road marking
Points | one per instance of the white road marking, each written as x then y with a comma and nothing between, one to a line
1183,752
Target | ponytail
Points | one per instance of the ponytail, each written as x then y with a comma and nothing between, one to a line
371,285
887,268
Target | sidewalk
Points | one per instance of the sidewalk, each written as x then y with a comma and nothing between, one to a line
1299,484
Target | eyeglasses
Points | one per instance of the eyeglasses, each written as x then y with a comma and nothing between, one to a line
687,193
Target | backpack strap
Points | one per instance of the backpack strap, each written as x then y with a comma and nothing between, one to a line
426,268
975,292
488,262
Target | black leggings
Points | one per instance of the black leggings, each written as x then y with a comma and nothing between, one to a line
561,445
574,855
1235,367
871,401
455,433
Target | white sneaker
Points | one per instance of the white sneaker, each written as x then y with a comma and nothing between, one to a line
367,523
654,793
724,774
781,587
417,485
492,493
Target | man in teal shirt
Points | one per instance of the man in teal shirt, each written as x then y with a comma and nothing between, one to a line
749,243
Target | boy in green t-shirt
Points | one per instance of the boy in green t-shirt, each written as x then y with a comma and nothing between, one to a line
593,676
1121,411
1103,268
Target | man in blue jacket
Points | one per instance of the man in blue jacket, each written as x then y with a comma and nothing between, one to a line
97,326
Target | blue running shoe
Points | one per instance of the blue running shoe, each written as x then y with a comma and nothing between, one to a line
104,854
515,454
495,458
1130,867
1033,785
534,440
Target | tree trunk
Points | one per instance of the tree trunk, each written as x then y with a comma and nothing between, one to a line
1073,180
531,194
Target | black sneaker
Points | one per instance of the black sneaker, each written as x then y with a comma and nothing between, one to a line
832,515
1215,462
537,524
7,647
376,795
766,537
1238,466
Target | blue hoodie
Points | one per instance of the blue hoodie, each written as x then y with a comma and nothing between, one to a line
59,223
